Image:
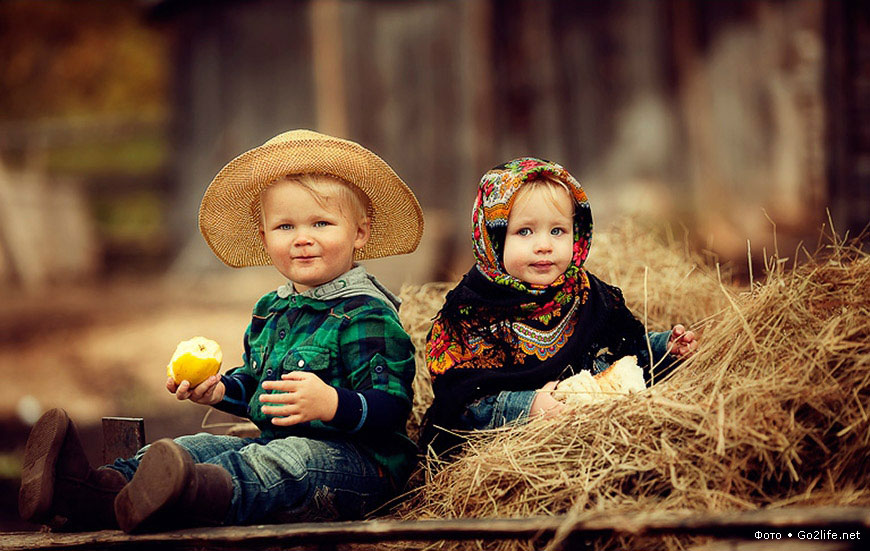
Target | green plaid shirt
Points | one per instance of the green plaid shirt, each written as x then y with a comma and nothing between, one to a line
355,343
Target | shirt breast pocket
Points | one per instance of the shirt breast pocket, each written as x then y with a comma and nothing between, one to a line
309,358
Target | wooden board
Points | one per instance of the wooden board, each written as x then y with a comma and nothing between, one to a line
741,525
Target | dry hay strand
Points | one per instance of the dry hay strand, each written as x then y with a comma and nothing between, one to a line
419,306
663,281
771,412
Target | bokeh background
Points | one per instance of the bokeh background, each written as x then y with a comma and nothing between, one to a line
724,125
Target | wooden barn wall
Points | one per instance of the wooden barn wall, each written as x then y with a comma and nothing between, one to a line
749,90
698,112
848,102
242,75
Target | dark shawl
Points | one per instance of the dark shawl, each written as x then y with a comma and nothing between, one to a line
603,321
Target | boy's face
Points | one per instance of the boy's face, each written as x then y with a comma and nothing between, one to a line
309,243
540,236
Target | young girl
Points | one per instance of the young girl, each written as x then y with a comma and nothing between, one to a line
527,314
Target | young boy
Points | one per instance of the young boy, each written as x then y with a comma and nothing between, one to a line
327,367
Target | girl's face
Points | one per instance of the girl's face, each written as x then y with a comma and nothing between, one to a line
540,235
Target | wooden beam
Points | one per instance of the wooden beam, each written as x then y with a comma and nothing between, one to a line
328,63
732,545
852,526
122,437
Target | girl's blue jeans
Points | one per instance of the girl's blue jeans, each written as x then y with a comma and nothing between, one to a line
509,406
287,479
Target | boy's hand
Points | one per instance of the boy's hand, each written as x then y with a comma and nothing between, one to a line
544,403
303,397
207,393
682,343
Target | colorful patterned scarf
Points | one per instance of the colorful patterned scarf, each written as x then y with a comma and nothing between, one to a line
491,309
495,198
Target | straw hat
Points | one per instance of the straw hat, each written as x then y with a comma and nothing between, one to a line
229,216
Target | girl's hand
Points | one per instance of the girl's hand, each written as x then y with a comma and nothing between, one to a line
544,403
682,343
303,397
207,393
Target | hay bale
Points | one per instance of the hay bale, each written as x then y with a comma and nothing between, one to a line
420,303
663,281
771,412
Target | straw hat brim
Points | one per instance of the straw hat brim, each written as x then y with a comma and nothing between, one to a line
229,216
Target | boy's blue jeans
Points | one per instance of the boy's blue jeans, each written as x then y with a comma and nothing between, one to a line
287,479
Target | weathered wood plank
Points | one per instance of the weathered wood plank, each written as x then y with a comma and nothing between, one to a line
738,545
731,545
122,437
740,525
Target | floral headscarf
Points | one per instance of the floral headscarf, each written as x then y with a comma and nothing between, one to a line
495,197
489,216
493,309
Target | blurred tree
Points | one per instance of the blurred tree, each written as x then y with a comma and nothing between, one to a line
83,99
65,58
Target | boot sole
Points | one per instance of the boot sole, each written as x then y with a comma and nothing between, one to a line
40,458
163,473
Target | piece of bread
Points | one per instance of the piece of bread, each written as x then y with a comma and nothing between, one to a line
622,377
581,388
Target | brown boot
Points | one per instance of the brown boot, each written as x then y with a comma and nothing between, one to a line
57,479
169,490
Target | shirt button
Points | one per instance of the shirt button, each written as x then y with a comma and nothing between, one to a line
301,363
268,373
282,334
379,369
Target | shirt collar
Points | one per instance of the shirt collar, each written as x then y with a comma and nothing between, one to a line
355,281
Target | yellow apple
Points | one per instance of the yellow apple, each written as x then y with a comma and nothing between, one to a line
195,360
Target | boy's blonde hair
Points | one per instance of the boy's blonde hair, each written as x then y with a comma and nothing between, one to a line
352,203
551,186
